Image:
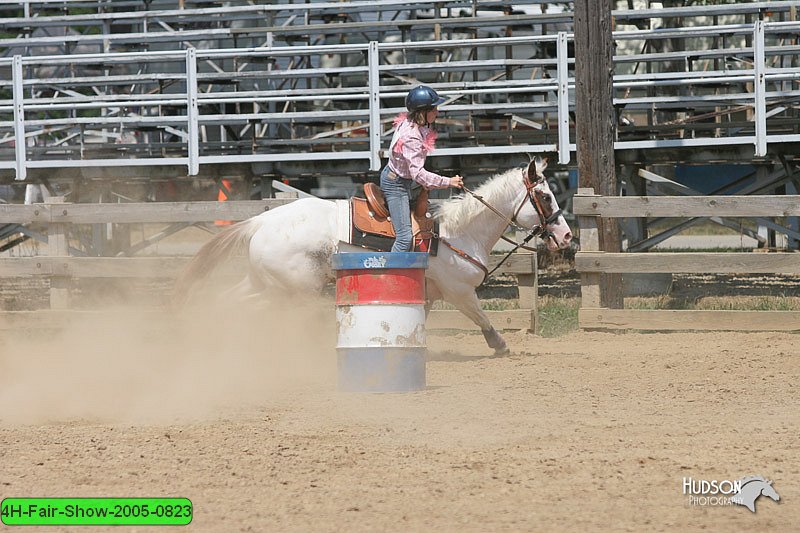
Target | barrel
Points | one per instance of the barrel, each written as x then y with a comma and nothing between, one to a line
380,317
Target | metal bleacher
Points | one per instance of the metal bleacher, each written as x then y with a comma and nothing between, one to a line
177,88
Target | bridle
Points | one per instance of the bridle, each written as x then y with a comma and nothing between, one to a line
546,221
540,230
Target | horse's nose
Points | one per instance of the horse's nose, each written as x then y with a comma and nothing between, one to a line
566,240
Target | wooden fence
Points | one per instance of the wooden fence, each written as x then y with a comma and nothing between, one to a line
591,262
60,267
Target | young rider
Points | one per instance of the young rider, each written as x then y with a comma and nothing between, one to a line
414,138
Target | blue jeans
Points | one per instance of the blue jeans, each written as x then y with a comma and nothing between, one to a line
397,192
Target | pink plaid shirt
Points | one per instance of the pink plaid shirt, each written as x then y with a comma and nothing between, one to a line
411,143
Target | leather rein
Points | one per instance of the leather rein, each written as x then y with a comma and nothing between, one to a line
537,230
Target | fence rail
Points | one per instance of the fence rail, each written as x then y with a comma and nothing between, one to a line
591,262
688,206
674,320
138,212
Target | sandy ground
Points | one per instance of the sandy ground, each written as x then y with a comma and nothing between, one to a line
239,412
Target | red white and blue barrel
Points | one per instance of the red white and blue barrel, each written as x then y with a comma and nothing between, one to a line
380,314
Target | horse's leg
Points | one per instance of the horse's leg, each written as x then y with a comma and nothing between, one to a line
467,302
432,293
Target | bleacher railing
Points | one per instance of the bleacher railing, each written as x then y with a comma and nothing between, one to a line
317,103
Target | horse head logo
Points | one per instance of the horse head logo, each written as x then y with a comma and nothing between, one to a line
752,488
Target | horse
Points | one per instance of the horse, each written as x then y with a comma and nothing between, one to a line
752,488
290,247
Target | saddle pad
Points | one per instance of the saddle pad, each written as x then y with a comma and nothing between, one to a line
344,224
384,244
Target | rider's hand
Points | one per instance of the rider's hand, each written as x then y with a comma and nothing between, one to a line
457,181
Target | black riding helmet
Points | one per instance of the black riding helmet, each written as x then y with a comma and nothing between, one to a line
421,98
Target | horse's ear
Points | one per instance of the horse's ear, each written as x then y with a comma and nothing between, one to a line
530,170
541,164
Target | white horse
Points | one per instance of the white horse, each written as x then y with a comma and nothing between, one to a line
290,247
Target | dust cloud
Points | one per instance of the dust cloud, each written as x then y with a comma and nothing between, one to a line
125,365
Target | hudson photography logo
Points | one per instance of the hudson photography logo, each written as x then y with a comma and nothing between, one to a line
713,493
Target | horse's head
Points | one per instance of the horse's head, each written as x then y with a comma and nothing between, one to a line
542,207
769,491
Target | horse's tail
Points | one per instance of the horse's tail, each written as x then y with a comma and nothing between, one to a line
220,247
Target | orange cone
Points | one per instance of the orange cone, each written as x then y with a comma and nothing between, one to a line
222,196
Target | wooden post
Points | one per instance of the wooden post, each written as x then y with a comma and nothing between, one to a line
529,292
596,124
590,242
58,246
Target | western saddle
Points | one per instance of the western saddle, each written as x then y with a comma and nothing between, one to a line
372,227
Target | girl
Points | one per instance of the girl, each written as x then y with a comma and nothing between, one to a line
413,138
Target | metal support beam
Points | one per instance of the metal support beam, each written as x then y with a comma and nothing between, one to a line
192,112
563,99
373,59
19,119
760,89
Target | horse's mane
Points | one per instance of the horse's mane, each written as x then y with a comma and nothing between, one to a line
745,480
496,191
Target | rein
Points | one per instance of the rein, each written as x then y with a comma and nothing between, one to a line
510,221
537,230
464,255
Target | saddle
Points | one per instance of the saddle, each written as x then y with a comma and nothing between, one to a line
373,229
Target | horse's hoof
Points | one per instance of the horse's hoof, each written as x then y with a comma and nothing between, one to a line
502,351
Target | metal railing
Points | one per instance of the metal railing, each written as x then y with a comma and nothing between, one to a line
287,104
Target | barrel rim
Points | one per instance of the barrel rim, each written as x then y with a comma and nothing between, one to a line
370,261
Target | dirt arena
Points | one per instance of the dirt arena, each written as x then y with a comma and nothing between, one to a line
239,413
